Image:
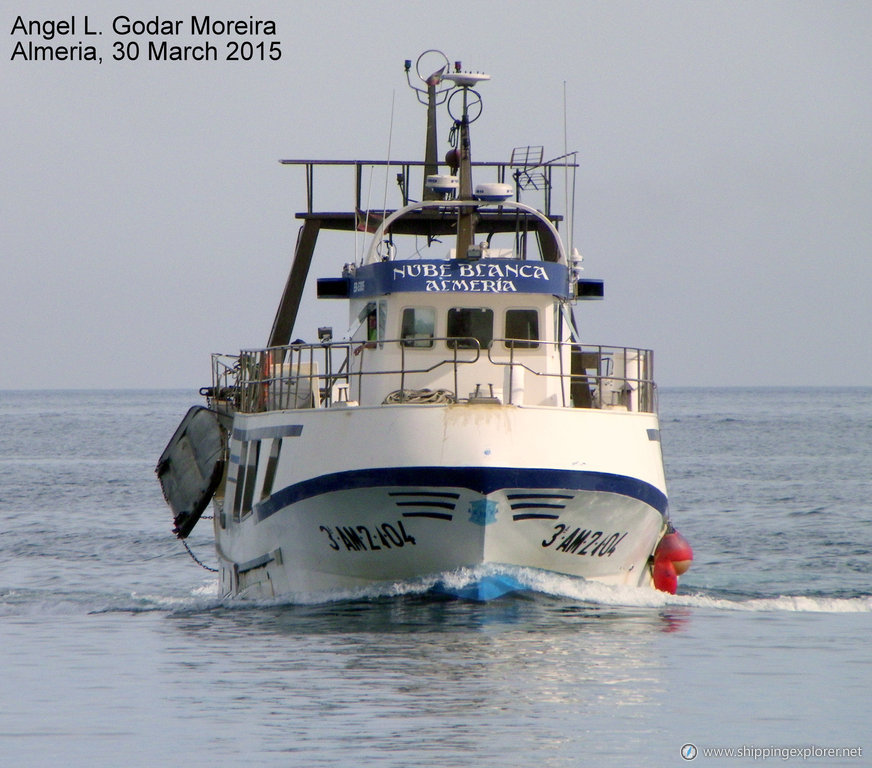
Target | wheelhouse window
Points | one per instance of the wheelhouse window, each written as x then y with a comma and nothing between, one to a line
382,320
522,328
373,320
368,318
468,325
418,327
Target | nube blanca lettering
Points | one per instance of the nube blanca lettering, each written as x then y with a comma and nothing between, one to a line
367,538
473,270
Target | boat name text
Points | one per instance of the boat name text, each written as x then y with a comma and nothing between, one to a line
198,38
492,275
477,269
478,277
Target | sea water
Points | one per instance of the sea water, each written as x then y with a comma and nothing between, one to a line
116,650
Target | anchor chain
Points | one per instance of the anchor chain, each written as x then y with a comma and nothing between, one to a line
196,559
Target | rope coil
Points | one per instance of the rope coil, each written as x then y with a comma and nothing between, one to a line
420,396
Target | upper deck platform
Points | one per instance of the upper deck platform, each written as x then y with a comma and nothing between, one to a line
435,217
532,177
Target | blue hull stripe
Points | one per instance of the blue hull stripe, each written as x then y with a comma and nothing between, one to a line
482,480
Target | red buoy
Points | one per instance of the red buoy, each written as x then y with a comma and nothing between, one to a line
674,547
665,577
671,558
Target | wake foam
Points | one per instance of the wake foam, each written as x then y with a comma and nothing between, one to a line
205,597
646,597
575,589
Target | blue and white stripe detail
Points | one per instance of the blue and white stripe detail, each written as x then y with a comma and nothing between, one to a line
481,480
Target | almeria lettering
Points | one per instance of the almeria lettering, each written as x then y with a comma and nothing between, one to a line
32,52
473,286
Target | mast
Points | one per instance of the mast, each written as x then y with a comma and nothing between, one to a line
460,84
430,162
470,100
467,219
431,97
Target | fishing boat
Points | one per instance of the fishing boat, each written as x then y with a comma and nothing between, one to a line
463,434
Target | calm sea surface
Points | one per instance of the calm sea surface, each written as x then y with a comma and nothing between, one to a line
115,650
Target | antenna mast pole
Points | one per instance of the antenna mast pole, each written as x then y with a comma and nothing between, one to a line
466,221
431,97
467,215
430,159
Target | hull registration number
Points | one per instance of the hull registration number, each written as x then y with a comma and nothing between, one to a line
581,541
364,538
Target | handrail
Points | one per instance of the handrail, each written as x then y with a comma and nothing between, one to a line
321,375
599,382
502,169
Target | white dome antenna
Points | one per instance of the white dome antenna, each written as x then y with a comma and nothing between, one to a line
466,79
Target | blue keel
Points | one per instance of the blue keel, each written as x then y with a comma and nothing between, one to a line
483,589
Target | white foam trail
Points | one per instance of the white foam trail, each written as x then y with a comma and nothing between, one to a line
645,597
587,592
206,597
795,603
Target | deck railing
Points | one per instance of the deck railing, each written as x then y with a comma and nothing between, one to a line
526,170
327,375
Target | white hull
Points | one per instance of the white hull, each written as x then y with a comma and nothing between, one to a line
464,423
363,495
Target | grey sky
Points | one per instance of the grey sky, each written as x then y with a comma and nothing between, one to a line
724,194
